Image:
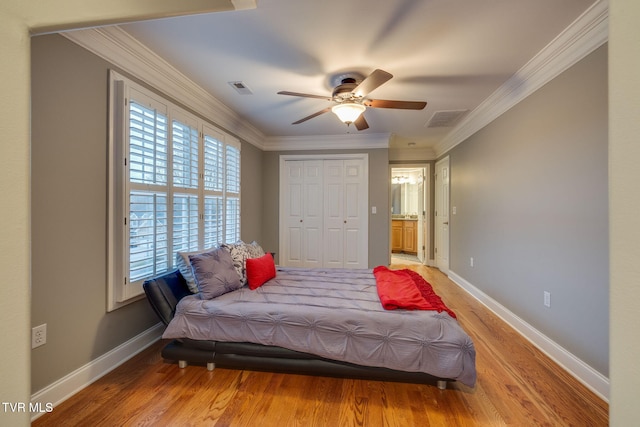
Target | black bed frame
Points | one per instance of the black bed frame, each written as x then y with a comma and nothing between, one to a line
164,292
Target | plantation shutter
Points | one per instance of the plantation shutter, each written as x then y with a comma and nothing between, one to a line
185,146
168,187
147,252
232,193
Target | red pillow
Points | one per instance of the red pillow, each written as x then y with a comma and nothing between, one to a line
260,270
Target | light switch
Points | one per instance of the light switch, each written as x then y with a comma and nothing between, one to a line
373,210
453,210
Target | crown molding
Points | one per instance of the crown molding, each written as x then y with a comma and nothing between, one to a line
244,4
411,154
118,47
327,142
588,32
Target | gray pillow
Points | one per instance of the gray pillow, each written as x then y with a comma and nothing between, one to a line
182,262
214,273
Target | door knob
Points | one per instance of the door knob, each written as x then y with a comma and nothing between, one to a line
444,223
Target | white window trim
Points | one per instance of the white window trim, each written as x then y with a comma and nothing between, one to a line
120,293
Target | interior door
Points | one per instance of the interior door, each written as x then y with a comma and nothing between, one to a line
334,213
313,214
356,243
442,215
345,237
293,197
324,211
303,214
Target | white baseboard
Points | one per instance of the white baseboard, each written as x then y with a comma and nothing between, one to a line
584,373
70,384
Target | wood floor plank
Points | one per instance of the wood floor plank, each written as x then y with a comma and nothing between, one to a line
517,385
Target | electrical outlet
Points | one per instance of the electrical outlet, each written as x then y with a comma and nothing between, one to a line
547,299
39,336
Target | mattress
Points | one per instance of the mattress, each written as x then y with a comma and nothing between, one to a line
335,314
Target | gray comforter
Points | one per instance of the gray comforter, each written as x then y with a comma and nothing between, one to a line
335,314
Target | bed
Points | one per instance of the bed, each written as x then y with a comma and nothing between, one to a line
330,322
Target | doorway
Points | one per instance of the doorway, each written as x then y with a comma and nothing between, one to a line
409,228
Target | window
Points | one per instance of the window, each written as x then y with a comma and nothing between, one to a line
175,186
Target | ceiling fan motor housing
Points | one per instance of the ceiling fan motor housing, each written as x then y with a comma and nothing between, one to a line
344,91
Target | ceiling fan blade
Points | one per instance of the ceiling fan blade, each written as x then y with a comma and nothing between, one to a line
403,105
326,110
304,95
361,123
372,82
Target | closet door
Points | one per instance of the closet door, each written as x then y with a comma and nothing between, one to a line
345,210
334,213
324,212
303,213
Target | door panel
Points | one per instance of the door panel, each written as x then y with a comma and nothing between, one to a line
294,253
353,250
334,244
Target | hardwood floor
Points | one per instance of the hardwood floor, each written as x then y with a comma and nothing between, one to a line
517,386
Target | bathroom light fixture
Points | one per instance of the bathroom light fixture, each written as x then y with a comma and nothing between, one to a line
399,179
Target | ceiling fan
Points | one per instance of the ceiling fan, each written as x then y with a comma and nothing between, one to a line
350,99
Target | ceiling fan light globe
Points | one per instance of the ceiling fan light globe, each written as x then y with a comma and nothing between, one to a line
348,112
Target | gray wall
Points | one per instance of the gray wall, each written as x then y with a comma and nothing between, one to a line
252,199
378,196
69,212
532,210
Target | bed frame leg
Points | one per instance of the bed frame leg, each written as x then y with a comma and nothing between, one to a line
182,364
211,366
442,384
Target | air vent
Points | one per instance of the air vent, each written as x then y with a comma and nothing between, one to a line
443,119
241,88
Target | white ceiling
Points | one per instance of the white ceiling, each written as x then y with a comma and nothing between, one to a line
451,53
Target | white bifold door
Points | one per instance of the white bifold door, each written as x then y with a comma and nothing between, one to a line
303,214
324,213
